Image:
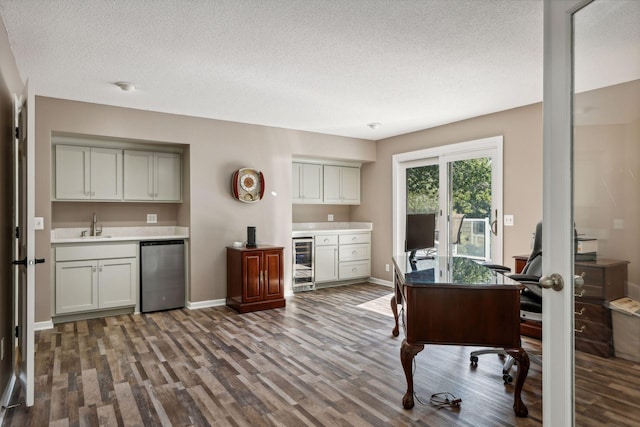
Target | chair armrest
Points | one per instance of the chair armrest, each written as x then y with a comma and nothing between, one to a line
497,267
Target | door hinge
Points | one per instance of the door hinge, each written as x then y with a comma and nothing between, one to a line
17,232
17,132
17,331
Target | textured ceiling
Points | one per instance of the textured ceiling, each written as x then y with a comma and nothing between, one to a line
317,65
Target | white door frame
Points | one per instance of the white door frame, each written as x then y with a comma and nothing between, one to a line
451,152
27,322
558,406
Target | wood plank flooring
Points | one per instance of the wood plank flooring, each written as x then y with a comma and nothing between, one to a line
320,361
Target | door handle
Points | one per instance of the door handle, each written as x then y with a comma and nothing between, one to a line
20,262
578,281
554,282
494,224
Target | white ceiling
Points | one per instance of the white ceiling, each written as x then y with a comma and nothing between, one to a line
324,66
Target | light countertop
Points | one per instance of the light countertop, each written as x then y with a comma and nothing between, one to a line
115,234
308,229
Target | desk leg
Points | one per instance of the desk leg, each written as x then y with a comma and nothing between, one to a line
407,353
394,308
522,359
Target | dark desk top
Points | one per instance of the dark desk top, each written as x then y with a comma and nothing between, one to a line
449,271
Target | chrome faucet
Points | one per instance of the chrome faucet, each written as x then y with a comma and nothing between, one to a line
95,230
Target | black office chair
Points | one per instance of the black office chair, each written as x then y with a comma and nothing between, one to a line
530,300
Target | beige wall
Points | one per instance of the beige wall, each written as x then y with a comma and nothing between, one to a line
215,149
521,129
319,213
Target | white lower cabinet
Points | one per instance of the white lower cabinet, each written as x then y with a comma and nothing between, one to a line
342,256
95,277
326,258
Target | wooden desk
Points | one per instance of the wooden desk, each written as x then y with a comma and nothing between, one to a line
604,281
457,301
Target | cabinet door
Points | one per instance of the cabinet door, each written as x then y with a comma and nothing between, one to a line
73,168
273,266
252,276
307,183
331,189
167,182
296,183
326,263
117,282
350,185
106,174
138,175
76,286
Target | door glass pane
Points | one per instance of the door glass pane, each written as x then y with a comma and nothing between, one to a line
470,208
423,190
606,204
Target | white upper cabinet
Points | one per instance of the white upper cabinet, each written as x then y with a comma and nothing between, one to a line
152,176
306,183
341,185
88,173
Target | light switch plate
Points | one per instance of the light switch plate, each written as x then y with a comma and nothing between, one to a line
152,218
38,223
508,220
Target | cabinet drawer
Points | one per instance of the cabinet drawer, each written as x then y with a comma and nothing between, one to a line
329,239
592,330
354,252
354,269
101,251
592,313
355,238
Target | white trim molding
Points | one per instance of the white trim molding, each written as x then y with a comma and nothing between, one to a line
204,304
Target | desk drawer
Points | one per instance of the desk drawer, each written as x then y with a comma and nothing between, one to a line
347,239
325,240
593,313
592,330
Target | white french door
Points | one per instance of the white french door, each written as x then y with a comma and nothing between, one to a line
439,180
591,143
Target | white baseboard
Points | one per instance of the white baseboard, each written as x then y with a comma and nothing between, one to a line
204,304
381,282
41,326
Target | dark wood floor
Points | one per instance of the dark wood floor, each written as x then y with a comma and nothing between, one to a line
320,361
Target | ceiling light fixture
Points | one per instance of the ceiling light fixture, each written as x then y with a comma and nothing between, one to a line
126,86
374,126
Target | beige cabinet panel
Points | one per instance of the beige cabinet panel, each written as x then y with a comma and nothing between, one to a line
306,183
88,173
152,176
326,263
116,282
341,185
76,286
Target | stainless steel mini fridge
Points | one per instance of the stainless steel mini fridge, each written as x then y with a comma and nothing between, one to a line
162,282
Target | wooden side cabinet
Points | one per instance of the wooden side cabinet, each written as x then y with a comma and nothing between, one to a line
255,278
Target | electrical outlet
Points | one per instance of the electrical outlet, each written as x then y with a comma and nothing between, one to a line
38,223
330,217
152,218
386,267
508,220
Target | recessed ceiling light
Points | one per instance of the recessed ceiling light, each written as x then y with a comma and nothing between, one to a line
374,125
126,86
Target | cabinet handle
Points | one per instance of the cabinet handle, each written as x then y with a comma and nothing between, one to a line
581,330
100,269
354,238
579,294
354,252
93,269
581,312
354,269
93,193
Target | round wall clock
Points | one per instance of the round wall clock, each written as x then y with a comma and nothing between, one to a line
247,185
